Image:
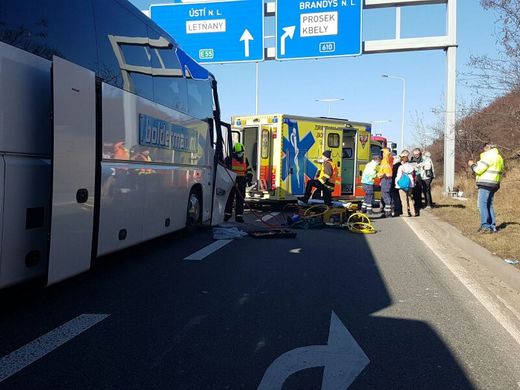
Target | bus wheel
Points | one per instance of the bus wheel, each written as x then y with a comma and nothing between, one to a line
194,213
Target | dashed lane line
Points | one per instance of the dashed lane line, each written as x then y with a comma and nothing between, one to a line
37,349
208,250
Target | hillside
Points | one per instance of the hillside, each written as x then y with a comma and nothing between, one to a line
498,123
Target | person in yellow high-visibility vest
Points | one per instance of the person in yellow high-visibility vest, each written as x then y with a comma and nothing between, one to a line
239,164
385,173
488,170
325,180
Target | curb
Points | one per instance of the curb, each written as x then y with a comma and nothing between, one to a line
496,265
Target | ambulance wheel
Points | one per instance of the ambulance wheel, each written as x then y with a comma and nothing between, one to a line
194,210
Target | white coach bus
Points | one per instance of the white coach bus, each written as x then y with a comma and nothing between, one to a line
110,135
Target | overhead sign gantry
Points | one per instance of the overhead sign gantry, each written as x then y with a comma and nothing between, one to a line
233,31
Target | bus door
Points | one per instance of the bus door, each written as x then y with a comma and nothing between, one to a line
224,182
73,170
227,139
224,179
265,172
333,142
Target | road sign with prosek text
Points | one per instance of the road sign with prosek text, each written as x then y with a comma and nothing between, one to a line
319,28
220,31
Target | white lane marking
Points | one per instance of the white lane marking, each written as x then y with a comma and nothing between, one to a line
342,358
467,280
36,349
269,216
208,250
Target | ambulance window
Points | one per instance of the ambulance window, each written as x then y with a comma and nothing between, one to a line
347,153
333,140
265,144
375,150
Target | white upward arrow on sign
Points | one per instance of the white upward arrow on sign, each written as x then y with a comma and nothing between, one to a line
246,37
288,32
342,358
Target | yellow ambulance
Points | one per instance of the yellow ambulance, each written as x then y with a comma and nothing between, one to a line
284,152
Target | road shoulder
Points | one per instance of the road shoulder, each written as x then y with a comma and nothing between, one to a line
495,284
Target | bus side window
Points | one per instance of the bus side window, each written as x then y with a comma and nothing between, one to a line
169,85
114,20
200,98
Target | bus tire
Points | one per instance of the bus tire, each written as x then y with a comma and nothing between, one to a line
194,210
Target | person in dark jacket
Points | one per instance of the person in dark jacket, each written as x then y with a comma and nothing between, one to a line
416,161
239,164
427,172
396,199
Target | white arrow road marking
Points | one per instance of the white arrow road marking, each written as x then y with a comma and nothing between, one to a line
342,358
288,32
35,350
246,37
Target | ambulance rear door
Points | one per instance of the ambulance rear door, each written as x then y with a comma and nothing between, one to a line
265,157
333,142
362,157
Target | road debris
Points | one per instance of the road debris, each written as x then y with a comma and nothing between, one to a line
511,261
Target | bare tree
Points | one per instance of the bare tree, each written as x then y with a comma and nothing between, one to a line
498,75
424,133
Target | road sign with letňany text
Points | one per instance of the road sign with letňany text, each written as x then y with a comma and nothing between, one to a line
215,32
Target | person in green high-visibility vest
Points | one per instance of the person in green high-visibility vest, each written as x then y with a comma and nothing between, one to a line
488,171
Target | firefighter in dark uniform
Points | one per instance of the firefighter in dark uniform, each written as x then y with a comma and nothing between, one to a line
239,164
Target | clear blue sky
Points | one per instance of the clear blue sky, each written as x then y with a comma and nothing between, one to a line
293,86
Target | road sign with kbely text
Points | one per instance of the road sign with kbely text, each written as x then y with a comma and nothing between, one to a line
319,28
219,31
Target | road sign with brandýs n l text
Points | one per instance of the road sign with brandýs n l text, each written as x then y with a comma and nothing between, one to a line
319,28
215,32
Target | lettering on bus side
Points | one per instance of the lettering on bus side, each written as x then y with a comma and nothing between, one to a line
164,135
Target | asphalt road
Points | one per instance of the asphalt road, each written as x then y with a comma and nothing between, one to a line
219,323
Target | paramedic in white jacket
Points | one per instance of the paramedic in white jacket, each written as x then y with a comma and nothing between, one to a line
406,185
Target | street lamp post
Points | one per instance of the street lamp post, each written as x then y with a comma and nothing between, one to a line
329,101
404,100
